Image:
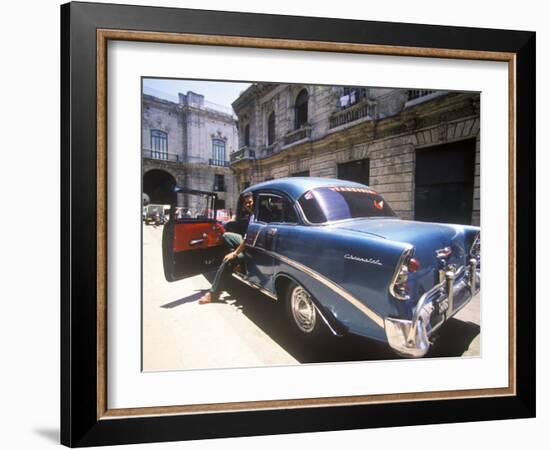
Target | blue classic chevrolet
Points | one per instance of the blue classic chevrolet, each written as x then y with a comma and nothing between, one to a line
340,260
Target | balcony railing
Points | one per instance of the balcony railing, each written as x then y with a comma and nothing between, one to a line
242,153
218,162
267,151
297,135
413,94
350,114
163,156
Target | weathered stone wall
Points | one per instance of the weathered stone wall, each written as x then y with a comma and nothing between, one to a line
201,128
200,177
191,129
164,116
390,142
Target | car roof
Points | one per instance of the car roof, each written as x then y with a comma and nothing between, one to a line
295,187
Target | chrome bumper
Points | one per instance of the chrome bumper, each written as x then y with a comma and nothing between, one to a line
411,338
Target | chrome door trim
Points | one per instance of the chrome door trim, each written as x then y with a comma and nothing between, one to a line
264,291
377,319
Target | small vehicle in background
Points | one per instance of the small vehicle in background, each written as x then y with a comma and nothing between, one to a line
156,214
223,215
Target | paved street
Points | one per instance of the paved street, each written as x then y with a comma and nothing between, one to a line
246,328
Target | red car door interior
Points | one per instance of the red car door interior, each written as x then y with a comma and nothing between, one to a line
191,246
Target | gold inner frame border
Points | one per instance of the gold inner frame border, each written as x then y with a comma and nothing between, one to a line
105,35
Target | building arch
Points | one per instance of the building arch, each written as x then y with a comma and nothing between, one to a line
159,186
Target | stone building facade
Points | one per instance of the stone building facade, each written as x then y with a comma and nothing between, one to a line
418,148
187,144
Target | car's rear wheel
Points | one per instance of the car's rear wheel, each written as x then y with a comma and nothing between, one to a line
302,312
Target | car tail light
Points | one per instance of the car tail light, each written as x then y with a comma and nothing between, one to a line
413,265
399,287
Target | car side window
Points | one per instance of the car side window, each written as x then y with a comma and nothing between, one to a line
275,209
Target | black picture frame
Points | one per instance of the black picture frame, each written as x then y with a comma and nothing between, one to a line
83,423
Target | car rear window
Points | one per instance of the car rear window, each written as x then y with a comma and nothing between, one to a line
328,204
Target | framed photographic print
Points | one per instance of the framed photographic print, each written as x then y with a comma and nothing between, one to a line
273,224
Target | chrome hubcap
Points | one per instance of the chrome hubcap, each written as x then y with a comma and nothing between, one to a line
303,309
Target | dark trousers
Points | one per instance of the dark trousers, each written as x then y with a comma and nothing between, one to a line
232,241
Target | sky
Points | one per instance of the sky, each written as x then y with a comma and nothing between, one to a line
221,93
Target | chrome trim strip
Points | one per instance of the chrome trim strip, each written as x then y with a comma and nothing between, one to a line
256,237
239,277
327,323
406,253
378,320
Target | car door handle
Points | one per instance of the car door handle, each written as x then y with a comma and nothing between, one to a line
272,231
195,241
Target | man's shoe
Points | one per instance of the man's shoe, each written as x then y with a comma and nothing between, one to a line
207,298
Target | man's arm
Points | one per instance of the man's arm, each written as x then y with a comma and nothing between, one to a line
235,252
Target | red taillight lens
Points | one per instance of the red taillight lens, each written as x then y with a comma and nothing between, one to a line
414,265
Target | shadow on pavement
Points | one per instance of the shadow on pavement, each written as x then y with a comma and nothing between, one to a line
454,338
182,301
193,297
269,316
447,343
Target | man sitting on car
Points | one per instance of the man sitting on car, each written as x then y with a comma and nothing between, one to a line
235,243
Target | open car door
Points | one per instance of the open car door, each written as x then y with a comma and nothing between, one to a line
192,240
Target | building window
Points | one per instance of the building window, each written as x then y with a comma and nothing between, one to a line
219,183
301,109
218,153
247,135
413,94
271,129
275,209
159,144
357,171
305,173
352,95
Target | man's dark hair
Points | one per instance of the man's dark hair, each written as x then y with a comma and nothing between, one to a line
247,194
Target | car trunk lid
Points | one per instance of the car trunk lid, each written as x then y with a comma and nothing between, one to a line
427,237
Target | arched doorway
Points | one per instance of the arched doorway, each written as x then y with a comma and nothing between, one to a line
159,186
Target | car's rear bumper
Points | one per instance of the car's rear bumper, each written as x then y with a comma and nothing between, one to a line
411,338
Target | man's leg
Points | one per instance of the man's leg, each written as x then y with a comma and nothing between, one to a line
232,241
220,273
